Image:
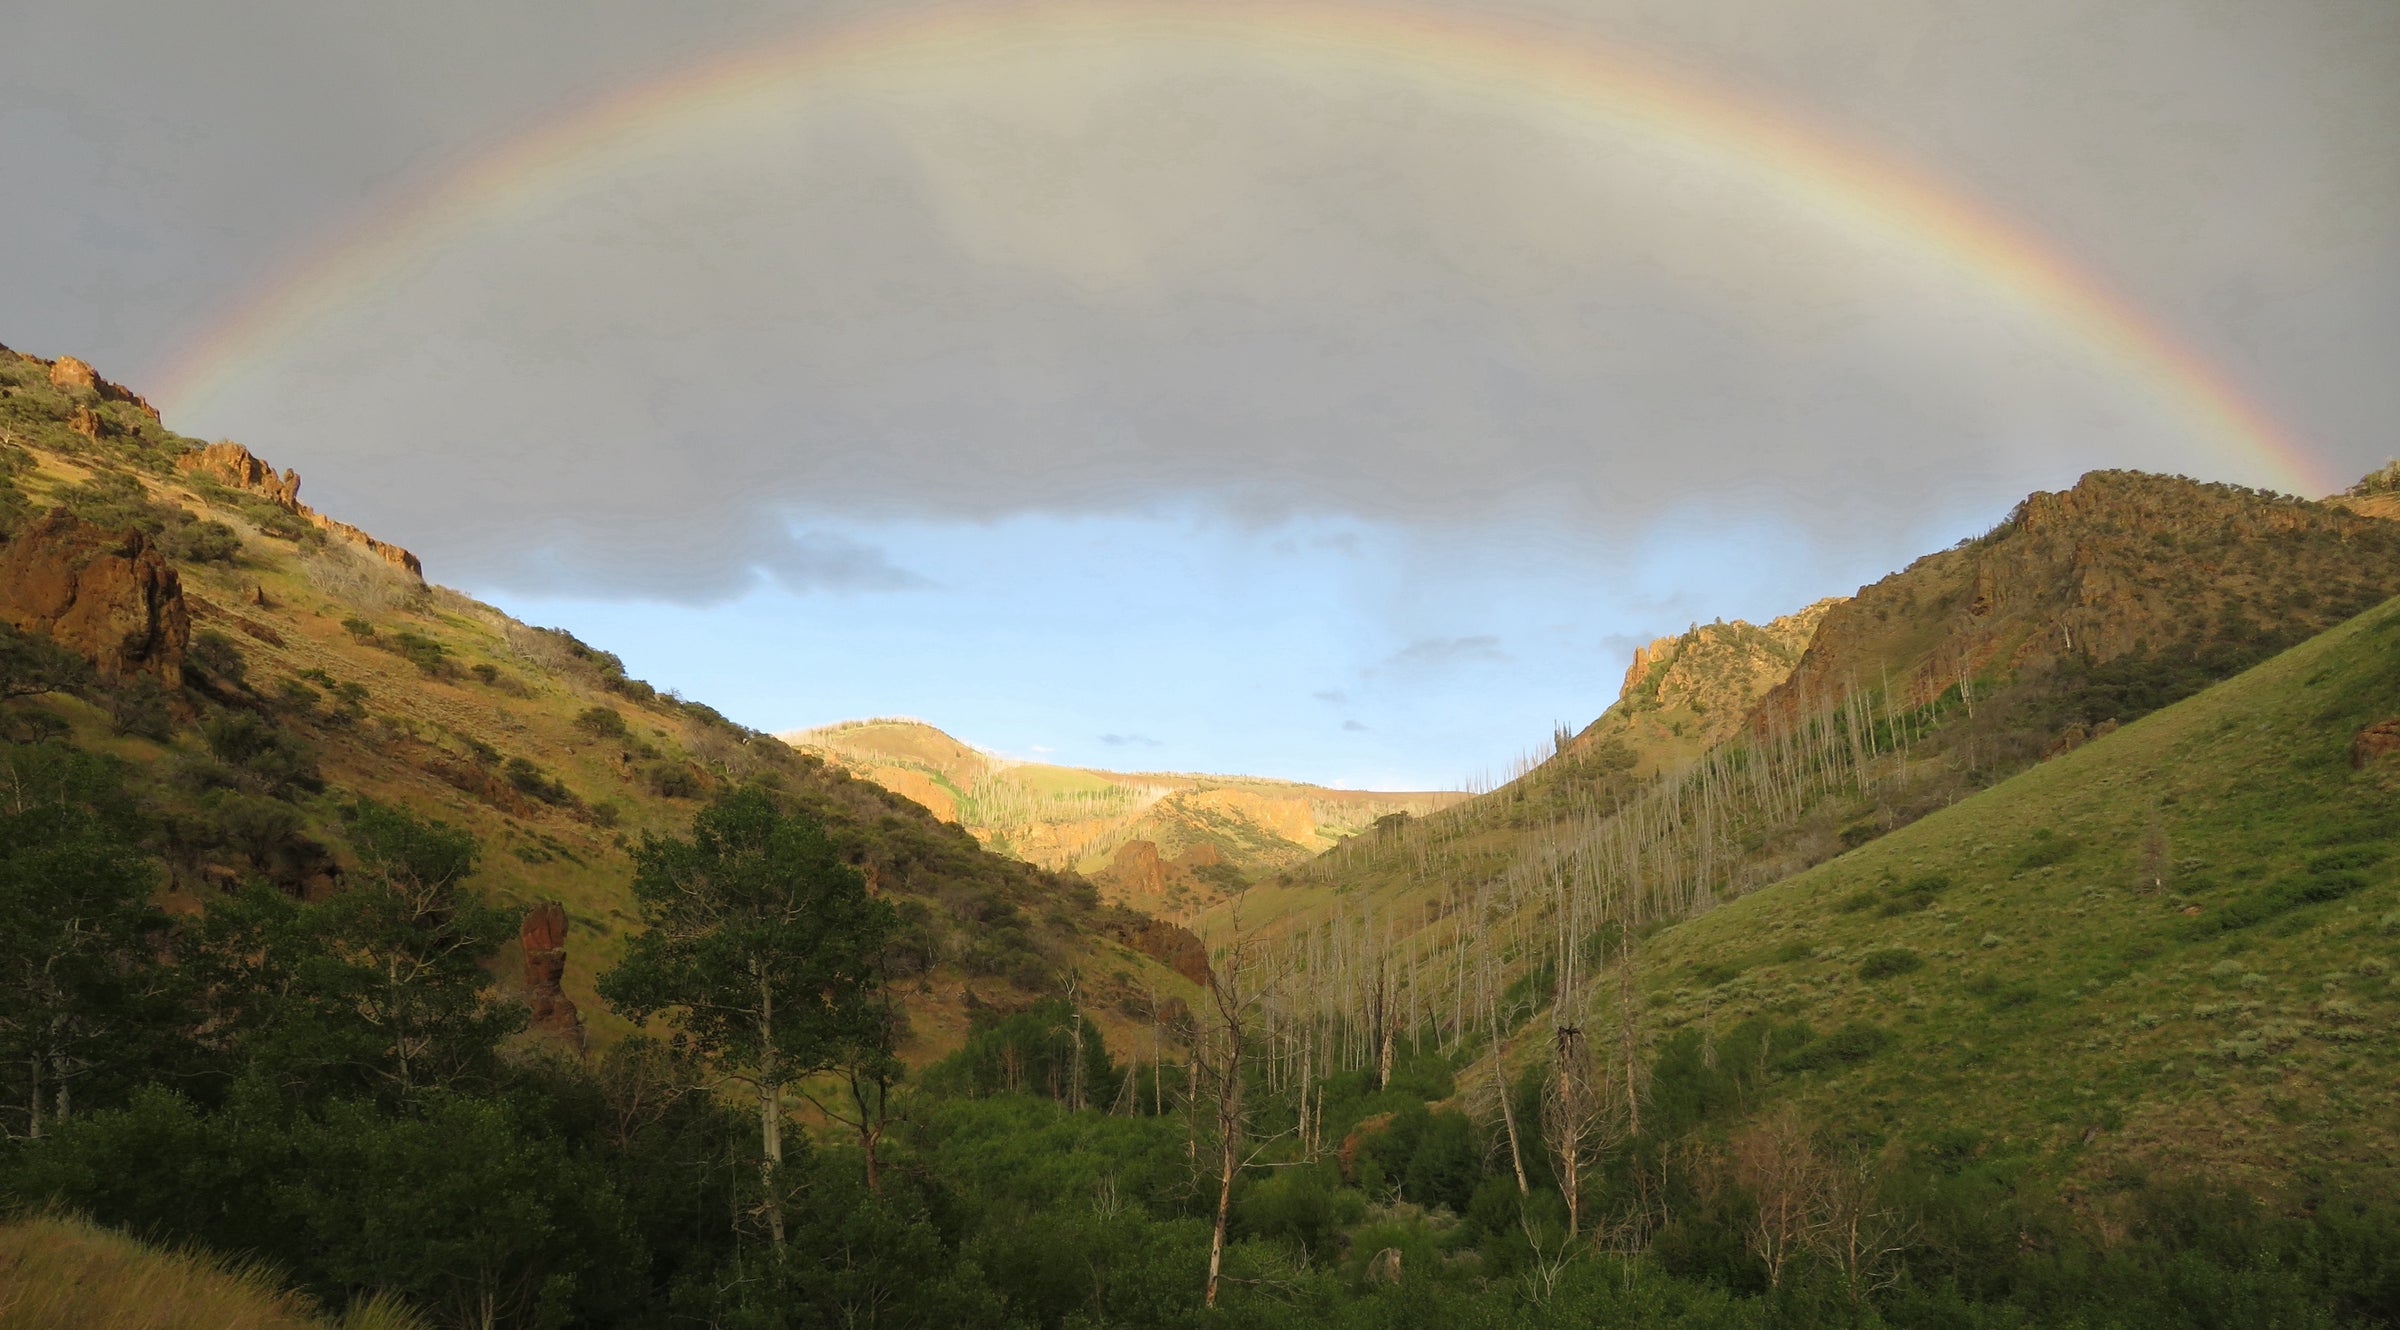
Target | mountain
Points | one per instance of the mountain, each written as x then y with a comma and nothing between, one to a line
2082,611
262,665
1166,842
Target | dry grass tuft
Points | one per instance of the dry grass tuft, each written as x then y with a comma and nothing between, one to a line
65,1274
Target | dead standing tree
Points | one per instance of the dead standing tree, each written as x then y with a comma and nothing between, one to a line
1241,986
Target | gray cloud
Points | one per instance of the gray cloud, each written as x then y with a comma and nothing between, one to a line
1129,741
1331,696
1146,274
1353,727
819,561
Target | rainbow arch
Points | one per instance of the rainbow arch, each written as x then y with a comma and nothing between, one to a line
1838,179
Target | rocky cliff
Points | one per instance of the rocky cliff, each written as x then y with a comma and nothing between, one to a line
2124,565
109,596
237,468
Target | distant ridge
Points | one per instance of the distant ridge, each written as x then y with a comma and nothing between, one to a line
1172,841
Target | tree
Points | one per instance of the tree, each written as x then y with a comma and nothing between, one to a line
381,987
759,947
76,957
32,664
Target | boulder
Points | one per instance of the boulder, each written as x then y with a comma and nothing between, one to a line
1171,945
544,935
109,596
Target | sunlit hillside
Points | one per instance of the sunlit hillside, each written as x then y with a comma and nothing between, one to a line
321,666
1163,841
62,1274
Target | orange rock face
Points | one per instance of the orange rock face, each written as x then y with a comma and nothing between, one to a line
544,935
1138,868
236,467
1171,945
73,375
107,595
69,373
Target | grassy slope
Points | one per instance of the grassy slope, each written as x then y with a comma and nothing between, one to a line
63,1274
2075,1006
417,724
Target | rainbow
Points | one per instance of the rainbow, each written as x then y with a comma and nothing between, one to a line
1485,58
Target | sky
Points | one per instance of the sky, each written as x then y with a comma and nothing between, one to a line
1334,391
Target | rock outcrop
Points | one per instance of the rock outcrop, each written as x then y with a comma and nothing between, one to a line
109,596
1138,870
237,468
71,375
1176,947
544,936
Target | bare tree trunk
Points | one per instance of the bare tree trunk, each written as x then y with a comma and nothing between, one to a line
1229,1122
1508,1111
871,1124
1566,1066
770,1115
33,1101
1628,1041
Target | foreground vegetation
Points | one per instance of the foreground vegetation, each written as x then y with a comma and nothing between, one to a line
329,1088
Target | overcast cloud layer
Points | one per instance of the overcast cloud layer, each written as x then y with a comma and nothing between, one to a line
1267,321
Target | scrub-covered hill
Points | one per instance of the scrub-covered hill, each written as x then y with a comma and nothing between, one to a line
263,666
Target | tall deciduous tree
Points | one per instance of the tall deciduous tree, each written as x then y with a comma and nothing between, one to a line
76,956
760,948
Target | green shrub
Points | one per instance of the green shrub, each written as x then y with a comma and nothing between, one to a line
1886,962
142,708
423,652
1853,1043
531,780
200,542
215,655
601,723
2046,848
672,780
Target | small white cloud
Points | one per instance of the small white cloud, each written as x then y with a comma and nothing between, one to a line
1441,652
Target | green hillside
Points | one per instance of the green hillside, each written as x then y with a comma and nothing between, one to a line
2172,949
